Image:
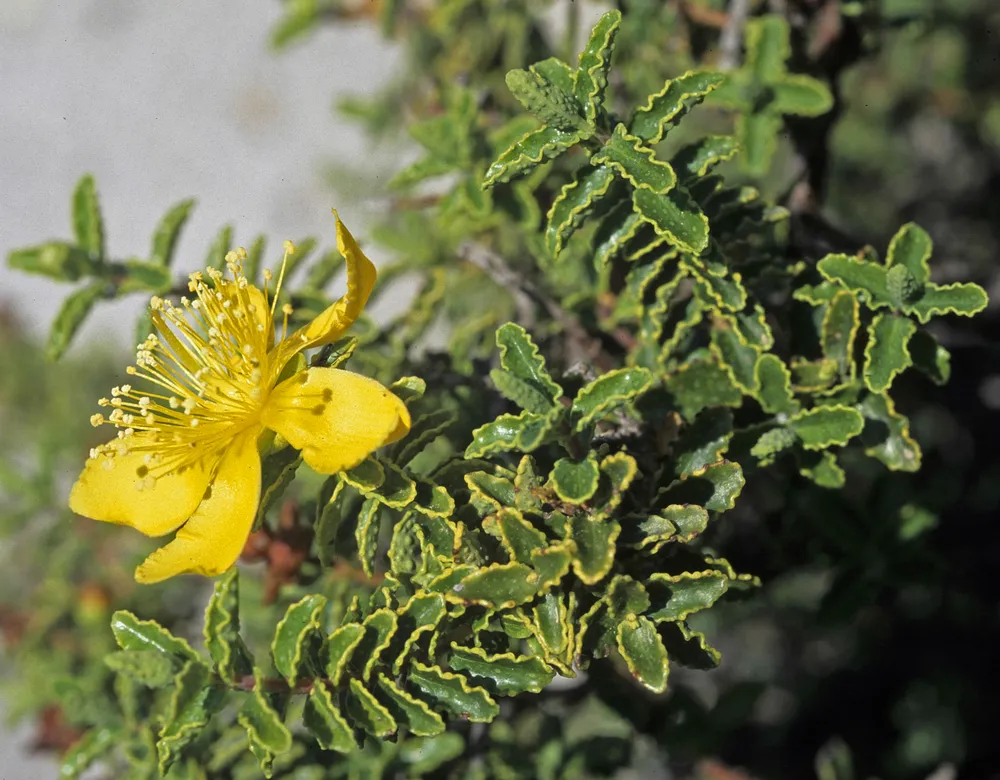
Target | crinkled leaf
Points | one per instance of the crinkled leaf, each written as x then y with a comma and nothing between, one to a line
192,704
591,77
775,390
702,383
366,534
147,667
609,391
323,718
676,596
523,432
520,357
454,693
800,95
911,248
826,426
578,198
575,481
367,712
595,543
886,435
538,145
962,299
340,647
840,326
405,708
505,674
549,103
222,630
519,537
697,159
887,353
499,585
295,637
134,634
667,107
716,488
858,276
930,358
636,163
675,216
644,653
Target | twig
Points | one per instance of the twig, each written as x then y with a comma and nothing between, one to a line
731,40
580,345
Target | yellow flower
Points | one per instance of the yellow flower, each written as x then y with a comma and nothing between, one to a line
185,458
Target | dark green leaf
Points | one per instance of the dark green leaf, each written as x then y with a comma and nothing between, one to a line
887,434
826,426
295,637
191,706
667,107
840,326
637,164
675,216
506,674
405,708
575,481
911,248
323,718
575,201
72,313
56,259
367,712
520,357
454,693
538,145
640,646
609,391
595,60
222,629
508,432
595,542
887,353
697,160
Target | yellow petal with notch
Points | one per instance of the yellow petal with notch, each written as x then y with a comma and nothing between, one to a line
119,489
337,418
211,541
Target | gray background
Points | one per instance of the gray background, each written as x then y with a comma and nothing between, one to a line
164,101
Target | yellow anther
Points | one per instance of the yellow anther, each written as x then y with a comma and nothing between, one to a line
97,420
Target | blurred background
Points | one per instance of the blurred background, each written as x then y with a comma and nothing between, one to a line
168,101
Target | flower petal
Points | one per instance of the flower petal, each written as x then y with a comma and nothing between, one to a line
337,418
116,489
332,323
211,541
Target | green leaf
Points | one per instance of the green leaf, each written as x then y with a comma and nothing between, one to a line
703,442
519,537
262,721
523,432
887,434
366,477
595,542
860,276
72,313
380,627
222,629
453,693
962,299
715,487
767,48
140,275
735,355
618,470
575,481
716,289
697,159
609,391
295,638
555,72
911,248
134,634
489,493
577,199
840,326
664,109
800,95
425,428
772,442
147,667
538,145
499,585
424,757
677,596
88,226
702,383
887,353
277,472
547,102
637,164
323,718
397,489
340,647
219,248
193,702
366,533
823,469
95,744
55,259
644,653
168,232
678,523
688,647
368,712
758,136
504,674
592,69
615,230
930,357
405,708
675,216
826,426
774,379
519,356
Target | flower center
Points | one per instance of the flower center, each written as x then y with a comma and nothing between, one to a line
208,372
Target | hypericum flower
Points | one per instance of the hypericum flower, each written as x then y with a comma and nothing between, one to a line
186,458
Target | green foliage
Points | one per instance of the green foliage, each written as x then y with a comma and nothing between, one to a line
621,365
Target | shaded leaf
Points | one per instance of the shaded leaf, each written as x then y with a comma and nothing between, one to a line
887,353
